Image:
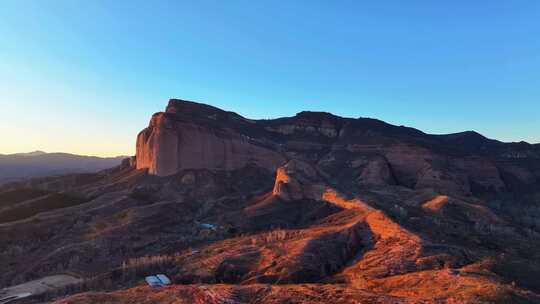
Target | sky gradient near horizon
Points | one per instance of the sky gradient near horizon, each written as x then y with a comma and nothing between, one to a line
85,76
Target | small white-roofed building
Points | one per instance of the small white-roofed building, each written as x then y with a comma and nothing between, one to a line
153,281
164,279
158,280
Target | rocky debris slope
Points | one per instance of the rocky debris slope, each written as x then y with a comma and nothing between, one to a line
313,208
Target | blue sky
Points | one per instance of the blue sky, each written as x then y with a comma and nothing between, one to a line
85,76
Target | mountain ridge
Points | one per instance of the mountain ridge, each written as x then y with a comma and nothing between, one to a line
323,129
39,164
175,102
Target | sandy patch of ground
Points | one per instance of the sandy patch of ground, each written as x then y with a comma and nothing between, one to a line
38,286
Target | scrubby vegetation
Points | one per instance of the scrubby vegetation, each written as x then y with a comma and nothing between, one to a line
28,209
13,197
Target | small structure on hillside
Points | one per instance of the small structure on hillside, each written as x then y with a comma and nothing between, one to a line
164,279
208,226
158,280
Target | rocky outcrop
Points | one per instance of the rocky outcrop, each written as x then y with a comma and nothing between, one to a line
298,180
484,176
374,171
172,143
310,124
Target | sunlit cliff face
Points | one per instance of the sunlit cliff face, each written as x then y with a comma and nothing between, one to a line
173,142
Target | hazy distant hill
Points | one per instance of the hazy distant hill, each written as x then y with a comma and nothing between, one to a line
38,163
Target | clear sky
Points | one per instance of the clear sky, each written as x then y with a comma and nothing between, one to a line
84,76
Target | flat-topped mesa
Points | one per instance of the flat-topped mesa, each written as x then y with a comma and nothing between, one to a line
361,152
184,137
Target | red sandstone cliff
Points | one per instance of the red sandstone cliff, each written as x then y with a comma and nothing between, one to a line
174,141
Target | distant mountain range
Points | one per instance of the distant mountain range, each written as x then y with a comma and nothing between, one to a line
19,166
